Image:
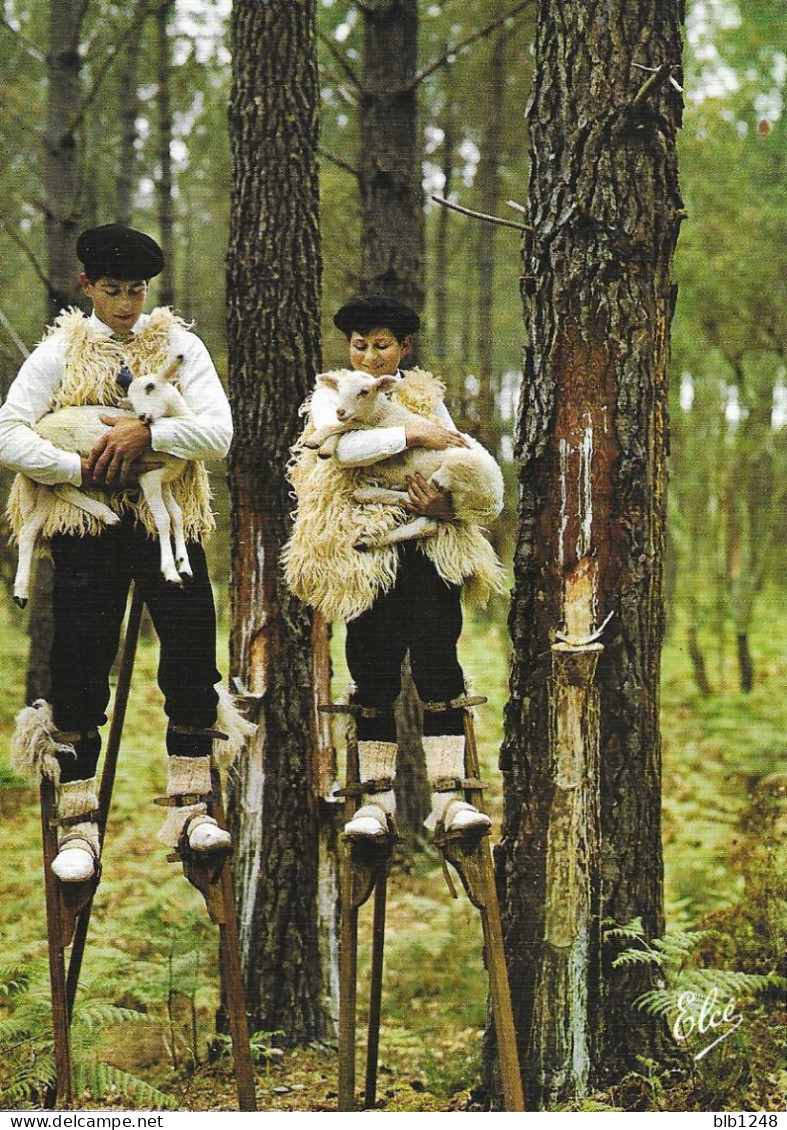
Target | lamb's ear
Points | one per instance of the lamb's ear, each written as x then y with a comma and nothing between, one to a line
386,384
328,380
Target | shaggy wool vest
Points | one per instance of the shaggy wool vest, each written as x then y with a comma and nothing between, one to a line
321,565
92,364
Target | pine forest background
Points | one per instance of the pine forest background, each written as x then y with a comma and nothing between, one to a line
151,117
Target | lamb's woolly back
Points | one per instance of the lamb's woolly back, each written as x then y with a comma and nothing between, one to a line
470,474
323,568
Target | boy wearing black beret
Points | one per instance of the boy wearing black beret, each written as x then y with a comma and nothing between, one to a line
91,360
398,599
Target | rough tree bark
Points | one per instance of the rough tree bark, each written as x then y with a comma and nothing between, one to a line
605,209
62,152
392,262
63,213
392,227
273,286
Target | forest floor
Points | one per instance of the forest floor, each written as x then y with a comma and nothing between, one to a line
144,1026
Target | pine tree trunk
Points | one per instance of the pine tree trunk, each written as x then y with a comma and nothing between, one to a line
63,212
166,282
128,109
62,152
392,239
392,262
488,179
605,209
448,126
273,285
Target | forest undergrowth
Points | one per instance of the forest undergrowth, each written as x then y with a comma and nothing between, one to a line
144,1025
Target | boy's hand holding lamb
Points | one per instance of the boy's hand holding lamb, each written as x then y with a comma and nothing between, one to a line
434,437
111,461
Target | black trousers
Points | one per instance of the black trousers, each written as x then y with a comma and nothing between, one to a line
92,576
421,614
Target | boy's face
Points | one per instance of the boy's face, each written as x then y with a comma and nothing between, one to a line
378,351
117,302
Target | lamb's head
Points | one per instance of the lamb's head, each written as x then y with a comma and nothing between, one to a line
360,398
151,397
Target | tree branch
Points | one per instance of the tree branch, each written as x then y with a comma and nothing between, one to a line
480,33
481,215
27,45
339,162
143,11
340,59
16,238
20,121
15,338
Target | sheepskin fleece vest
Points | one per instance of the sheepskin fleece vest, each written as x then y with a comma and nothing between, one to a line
92,363
321,565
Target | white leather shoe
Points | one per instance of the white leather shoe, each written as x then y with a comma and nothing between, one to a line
205,835
369,822
75,862
459,816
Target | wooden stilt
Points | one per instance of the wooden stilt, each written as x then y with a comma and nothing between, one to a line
472,858
69,905
108,774
376,989
63,1089
231,972
366,868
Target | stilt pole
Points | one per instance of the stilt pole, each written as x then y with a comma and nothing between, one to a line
63,1090
231,973
108,774
376,990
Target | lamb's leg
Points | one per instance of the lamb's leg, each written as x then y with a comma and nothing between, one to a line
380,494
151,485
182,563
35,517
419,528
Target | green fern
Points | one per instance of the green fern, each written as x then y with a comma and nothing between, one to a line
27,1045
684,987
99,1079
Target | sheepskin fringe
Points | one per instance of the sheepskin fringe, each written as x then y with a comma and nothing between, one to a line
322,566
92,363
231,722
34,746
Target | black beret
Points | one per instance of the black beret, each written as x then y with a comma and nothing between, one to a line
371,311
114,251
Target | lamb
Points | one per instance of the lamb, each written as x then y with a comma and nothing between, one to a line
78,429
469,474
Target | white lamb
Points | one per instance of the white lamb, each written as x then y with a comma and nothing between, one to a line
469,474
78,429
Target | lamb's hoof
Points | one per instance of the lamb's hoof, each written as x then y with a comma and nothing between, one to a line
112,519
173,577
21,601
74,865
185,573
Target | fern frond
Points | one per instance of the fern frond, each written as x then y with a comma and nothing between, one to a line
100,1078
633,931
637,957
